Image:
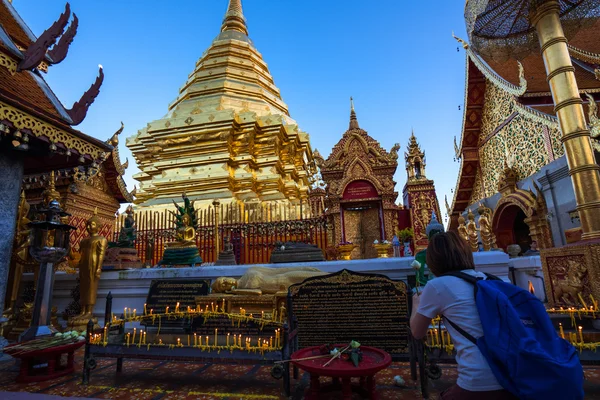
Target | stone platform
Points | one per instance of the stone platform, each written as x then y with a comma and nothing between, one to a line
130,287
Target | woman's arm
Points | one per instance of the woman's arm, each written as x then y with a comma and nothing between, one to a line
418,322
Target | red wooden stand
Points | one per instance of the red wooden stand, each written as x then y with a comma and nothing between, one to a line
373,361
51,356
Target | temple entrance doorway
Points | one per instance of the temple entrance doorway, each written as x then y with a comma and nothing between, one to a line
362,225
511,228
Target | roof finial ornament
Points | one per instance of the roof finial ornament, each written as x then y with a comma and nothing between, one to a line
353,120
234,18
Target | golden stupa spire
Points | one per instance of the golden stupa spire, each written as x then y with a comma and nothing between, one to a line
234,18
353,120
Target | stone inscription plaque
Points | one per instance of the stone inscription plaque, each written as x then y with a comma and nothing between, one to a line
371,309
166,293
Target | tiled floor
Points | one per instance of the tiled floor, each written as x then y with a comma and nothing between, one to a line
155,380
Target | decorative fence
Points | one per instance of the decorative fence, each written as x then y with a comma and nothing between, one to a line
253,232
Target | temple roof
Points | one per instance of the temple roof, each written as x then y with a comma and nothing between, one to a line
586,40
340,154
231,74
25,88
31,110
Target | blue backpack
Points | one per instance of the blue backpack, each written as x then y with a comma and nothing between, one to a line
520,344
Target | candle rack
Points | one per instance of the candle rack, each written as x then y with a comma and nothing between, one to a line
204,344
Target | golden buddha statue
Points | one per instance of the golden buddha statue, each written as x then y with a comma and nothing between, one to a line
472,236
92,251
462,229
485,228
183,251
19,255
263,280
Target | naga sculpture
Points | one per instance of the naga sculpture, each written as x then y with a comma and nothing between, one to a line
183,251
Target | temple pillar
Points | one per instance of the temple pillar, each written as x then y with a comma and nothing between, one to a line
11,165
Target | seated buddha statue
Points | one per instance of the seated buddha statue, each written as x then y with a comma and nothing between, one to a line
183,251
264,280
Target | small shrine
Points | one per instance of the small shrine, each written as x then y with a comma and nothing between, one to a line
419,194
360,196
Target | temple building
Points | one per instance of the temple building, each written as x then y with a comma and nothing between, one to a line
228,135
419,197
511,154
42,156
360,196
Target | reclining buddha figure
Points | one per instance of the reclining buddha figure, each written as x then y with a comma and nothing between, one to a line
263,280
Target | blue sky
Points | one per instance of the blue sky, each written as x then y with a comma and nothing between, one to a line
396,58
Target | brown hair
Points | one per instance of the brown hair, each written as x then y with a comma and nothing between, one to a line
446,252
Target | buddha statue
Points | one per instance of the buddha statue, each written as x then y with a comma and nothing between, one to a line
263,280
123,254
472,230
19,256
462,229
485,229
92,251
183,251
128,234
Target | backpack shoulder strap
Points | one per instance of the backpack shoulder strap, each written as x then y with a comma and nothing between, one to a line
462,331
466,277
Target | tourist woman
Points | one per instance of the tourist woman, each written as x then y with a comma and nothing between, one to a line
453,298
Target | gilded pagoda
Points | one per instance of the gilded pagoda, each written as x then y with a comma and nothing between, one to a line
228,135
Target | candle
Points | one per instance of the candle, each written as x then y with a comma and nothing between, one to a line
195,339
134,311
581,334
177,307
188,340
594,301
167,310
228,340
145,312
125,313
207,341
223,306
188,310
128,339
262,315
562,332
178,342
141,336
145,333
206,308
582,301
160,343
436,337
151,310
216,343
271,341
212,307
133,340
105,339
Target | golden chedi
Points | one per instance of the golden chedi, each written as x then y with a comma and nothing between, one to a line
228,134
92,251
